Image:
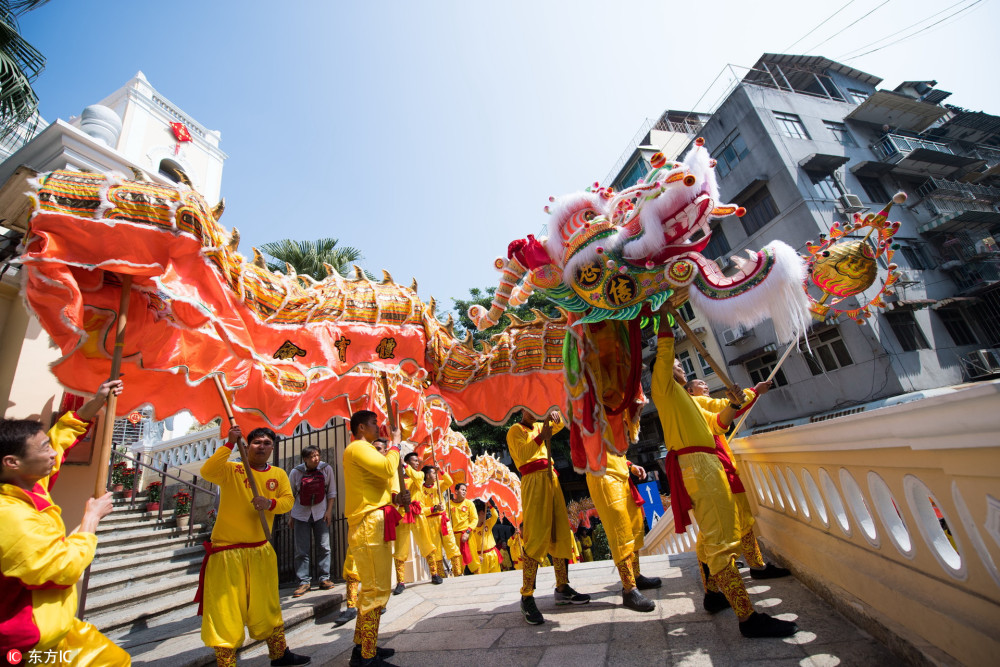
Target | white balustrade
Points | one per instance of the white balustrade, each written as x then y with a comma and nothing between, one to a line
189,449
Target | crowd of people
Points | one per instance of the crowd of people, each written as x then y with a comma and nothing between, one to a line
392,501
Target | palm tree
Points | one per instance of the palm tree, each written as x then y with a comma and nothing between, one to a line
308,257
20,65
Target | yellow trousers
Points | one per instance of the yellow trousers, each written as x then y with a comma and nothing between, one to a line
744,522
350,571
489,563
373,559
85,646
546,525
241,591
401,547
714,509
443,544
620,516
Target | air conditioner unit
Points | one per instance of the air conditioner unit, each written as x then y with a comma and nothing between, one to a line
850,203
730,336
981,363
906,277
723,261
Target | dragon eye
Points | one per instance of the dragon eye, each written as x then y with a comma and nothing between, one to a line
589,215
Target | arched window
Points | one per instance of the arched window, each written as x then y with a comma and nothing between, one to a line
174,172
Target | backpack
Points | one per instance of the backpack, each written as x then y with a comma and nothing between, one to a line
312,491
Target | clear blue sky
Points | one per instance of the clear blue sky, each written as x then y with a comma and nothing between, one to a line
430,134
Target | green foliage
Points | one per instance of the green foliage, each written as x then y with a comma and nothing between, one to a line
484,298
308,257
153,492
601,550
20,65
182,503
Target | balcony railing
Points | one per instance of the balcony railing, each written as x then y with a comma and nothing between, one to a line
894,147
944,189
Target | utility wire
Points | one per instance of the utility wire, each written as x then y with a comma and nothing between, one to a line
850,53
936,23
819,26
849,26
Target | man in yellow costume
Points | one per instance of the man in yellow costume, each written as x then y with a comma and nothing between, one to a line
371,522
40,564
409,524
485,554
463,513
545,528
617,501
720,420
433,500
238,586
700,482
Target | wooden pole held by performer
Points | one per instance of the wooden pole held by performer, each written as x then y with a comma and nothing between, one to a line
243,455
701,350
107,433
391,415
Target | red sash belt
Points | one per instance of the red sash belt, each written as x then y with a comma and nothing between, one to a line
534,466
466,551
392,517
634,490
444,523
411,513
680,501
209,550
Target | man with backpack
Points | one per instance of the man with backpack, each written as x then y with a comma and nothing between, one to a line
313,486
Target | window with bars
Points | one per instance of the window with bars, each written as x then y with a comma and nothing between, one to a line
908,333
858,96
916,256
873,188
636,170
718,246
840,133
760,368
826,186
760,211
685,358
791,125
958,328
828,352
686,311
706,369
732,150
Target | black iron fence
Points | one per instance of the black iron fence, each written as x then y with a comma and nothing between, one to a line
331,442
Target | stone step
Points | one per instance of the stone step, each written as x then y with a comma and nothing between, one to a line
162,557
121,579
139,599
173,639
162,540
138,533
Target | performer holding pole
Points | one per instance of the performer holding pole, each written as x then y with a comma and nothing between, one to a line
108,430
700,481
238,584
545,529
39,563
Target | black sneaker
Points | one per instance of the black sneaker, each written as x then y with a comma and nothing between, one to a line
569,596
645,583
346,616
380,654
769,572
530,611
289,658
715,602
400,587
435,579
762,625
636,601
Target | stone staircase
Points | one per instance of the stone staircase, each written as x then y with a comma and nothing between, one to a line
143,580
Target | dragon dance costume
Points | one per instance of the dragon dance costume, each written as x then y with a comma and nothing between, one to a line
618,502
409,524
40,565
485,553
436,529
238,586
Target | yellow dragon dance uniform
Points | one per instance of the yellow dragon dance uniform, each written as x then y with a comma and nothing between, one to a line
621,516
485,554
40,565
368,479
436,527
545,525
239,582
